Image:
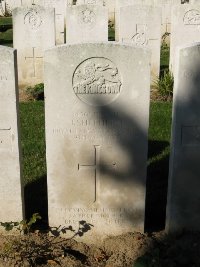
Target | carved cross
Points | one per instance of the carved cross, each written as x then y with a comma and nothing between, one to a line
96,168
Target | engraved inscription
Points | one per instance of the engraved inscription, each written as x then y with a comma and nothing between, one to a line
95,128
96,168
190,135
5,139
140,37
33,19
96,81
87,17
110,216
192,17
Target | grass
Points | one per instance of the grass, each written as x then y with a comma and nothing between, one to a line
159,130
164,57
6,32
5,21
6,38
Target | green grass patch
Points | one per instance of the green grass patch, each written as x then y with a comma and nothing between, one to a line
33,140
111,34
159,131
6,38
164,57
160,121
5,21
6,32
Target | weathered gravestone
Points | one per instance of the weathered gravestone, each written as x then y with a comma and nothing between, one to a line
85,23
185,28
96,137
60,13
123,3
166,16
184,182
90,2
141,25
33,32
10,171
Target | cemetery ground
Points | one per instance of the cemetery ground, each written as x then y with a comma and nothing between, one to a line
155,248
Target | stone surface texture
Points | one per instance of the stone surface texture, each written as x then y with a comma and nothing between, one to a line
60,14
97,115
10,170
33,32
184,182
141,26
123,3
85,23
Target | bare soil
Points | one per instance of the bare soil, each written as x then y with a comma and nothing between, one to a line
128,250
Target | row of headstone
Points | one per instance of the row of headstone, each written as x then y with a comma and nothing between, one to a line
112,5
94,175
138,25
97,154
84,24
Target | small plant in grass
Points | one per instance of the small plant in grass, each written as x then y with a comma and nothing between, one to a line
23,226
36,92
164,85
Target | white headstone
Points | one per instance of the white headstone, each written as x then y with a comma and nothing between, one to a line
85,23
185,28
141,26
60,13
10,171
33,32
96,137
123,3
184,182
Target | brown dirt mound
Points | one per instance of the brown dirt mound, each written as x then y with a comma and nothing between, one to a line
128,250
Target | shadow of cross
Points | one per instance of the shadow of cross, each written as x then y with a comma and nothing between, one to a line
96,168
